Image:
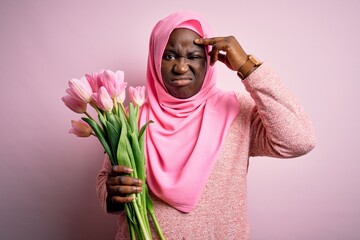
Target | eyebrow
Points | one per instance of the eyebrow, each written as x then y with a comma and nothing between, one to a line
174,50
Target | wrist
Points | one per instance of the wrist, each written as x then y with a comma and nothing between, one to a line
249,66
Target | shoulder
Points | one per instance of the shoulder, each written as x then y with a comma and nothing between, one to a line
240,101
246,102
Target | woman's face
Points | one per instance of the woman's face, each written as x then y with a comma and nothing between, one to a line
183,64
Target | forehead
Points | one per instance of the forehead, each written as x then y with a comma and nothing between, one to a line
183,37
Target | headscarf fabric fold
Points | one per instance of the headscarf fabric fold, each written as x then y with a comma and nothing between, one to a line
184,141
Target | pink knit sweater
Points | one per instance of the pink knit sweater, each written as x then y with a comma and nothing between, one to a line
270,123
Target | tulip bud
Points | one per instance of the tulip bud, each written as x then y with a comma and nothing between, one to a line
74,104
94,81
103,100
114,84
80,128
80,89
137,95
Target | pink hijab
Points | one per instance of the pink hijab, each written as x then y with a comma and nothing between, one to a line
184,141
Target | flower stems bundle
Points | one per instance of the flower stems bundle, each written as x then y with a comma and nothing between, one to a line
118,131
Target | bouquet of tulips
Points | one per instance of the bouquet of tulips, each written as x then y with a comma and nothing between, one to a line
117,129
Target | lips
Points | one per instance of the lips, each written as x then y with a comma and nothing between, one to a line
180,82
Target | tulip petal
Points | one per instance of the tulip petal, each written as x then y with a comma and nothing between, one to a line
103,100
137,95
80,89
80,128
114,84
74,104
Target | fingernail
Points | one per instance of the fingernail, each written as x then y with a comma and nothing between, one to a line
129,170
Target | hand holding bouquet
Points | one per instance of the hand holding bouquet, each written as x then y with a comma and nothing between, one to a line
117,129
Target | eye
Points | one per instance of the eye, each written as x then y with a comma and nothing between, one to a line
195,57
169,56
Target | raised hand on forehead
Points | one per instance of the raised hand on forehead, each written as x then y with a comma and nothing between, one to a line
225,49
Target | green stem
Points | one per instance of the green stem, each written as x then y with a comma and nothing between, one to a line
132,233
88,115
144,205
137,113
130,225
150,208
123,110
116,106
157,226
99,111
143,228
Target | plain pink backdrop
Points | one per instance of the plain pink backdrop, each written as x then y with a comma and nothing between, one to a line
47,177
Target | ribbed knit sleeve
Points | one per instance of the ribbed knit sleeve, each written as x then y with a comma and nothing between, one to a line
279,125
101,182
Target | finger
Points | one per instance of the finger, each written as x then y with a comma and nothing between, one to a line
124,180
222,58
123,190
208,41
120,169
122,200
213,56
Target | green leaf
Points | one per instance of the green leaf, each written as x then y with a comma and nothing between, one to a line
115,121
113,136
133,118
139,156
143,128
149,203
100,135
102,120
123,119
121,154
131,156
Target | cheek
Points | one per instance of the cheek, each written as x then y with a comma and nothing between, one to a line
164,71
201,75
166,76
201,71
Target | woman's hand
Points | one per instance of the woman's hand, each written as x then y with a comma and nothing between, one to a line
120,186
225,49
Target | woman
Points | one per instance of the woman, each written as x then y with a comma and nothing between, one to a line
199,145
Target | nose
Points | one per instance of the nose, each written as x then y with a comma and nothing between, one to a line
181,66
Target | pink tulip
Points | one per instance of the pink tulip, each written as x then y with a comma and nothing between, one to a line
80,128
137,95
94,80
74,104
80,89
121,98
114,84
103,100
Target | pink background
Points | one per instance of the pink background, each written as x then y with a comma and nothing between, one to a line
47,177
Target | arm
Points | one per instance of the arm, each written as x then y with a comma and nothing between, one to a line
101,182
279,125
